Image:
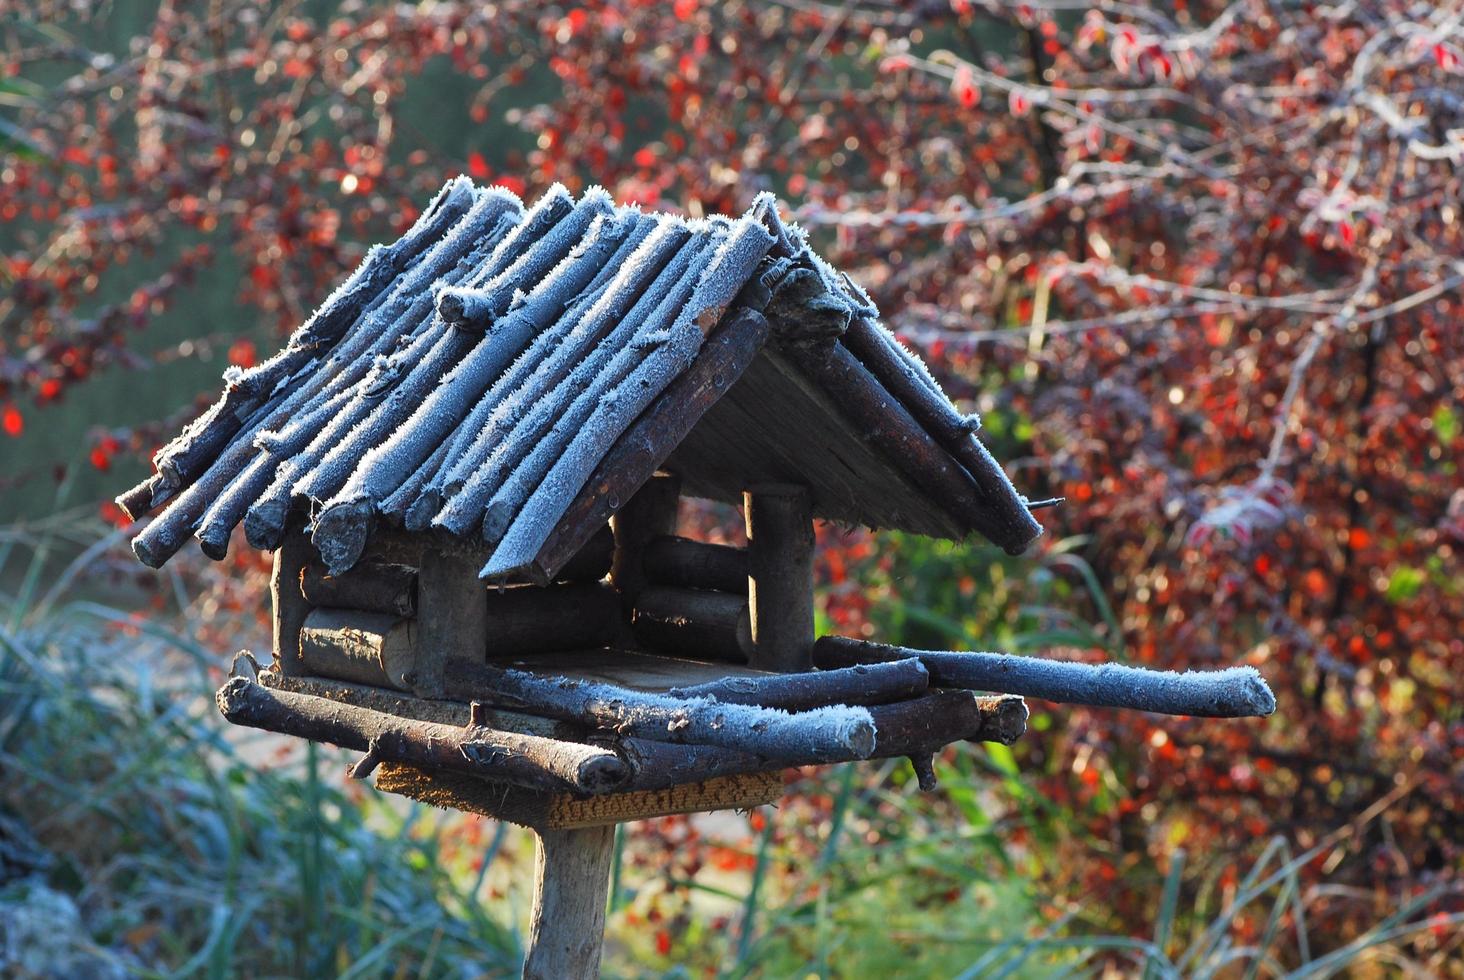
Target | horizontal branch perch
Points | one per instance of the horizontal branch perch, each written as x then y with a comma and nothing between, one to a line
924,724
525,760
1235,692
837,734
860,684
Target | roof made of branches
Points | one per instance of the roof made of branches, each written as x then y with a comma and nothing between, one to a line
502,370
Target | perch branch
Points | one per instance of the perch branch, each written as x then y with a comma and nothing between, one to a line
1236,692
837,734
861,684
525,760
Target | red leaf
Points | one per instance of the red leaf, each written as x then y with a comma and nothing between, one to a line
963,87
242,353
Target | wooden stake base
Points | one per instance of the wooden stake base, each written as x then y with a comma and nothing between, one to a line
563,811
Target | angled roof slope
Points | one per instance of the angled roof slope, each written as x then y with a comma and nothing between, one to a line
478,376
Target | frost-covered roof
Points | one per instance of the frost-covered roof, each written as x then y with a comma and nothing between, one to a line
469,378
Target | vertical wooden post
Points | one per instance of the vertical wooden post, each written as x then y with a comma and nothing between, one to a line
571,883
780,576
452,618
290,607
649,514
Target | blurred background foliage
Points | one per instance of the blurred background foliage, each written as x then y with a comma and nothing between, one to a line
1197,265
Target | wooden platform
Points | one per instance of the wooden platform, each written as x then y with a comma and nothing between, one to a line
561,811
627,667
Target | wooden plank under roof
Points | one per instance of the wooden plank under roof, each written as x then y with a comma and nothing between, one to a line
775,426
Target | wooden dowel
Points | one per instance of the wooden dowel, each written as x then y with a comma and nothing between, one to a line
571,884
780,545
524,760
642,448
289,605
872,684
670,560
648,515
452,618
370,586
692,623
1235,692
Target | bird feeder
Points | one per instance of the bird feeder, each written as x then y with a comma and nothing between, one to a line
468,462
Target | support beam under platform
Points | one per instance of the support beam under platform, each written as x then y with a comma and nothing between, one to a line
571,883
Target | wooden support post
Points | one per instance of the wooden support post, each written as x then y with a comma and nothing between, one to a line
571,885
452,618
290,606
780,547
649,514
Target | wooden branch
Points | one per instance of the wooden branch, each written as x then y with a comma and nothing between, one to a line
692,623
141,499
561,439
924,724
646,516
872,684
365,647
288,604
642,448
200,443
835,734
455,713
780,546
890,427
452,618
689,564
1235,692
524,760
900,375
528,619
341,522
567,924
389,544
370,586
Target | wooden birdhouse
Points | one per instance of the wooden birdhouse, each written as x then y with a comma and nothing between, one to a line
468,464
